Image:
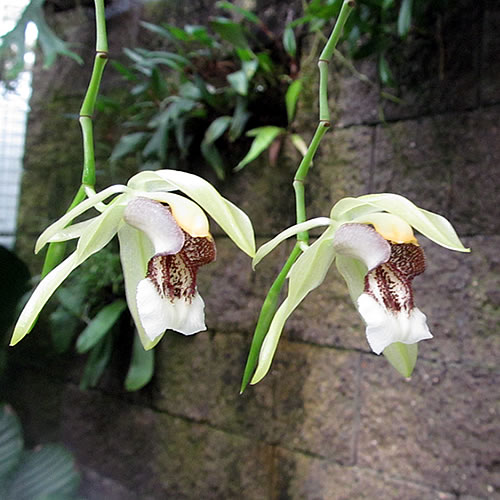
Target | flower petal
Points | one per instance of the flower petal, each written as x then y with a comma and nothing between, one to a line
306,274
71,232
41,295
156,222
390,226
268,247
384,327
353,271
433,226
234,222
75,212
402,357
361,242
135,252
187,214
158,313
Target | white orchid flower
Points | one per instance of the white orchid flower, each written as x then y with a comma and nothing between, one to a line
164,239
373,244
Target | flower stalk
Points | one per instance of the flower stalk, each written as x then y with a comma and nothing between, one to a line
270,304
56,250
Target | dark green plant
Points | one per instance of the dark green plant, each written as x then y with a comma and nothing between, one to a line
92,309
45,472
205,95
13,46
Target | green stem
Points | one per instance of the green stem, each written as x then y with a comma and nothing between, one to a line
266,316
55,251
270,304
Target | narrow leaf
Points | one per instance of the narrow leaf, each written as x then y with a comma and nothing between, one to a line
128,144
230,31
289,43
100,325
141,367
404,18
96,363
291,98
264,136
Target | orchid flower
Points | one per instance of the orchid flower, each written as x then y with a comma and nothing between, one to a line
372,242
164,238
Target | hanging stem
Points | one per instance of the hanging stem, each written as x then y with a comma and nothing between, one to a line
270,304
55,251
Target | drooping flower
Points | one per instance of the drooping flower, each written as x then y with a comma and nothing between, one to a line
371,240
164,239
387,303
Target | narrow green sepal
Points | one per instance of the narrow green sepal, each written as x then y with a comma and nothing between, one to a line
402,357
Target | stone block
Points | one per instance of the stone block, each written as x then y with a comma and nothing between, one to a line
232,291
490,61
438,162
439,72
301,477
342,168
315,400
328,317
199,378
439,429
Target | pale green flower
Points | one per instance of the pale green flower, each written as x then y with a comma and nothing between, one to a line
164,239
371,240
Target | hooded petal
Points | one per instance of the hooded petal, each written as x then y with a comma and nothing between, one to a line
363,243
187,214
157,223
433,226
234,222
158,313
384,326
389,226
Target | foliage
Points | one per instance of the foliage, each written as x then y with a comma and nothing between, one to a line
45,472
218,82
15,283
205,95
91,308
13,47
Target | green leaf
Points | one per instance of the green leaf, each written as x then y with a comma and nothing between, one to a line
158,30
404,18
299,144
46,472
239,82
289,43
96,363
402,357
11,441
128,144
249,16
216,129
14,284
385,72
100,325
212,155
264,136
291,98
63,328
239,119
230,31
141,367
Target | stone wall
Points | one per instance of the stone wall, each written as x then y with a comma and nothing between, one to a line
331,421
